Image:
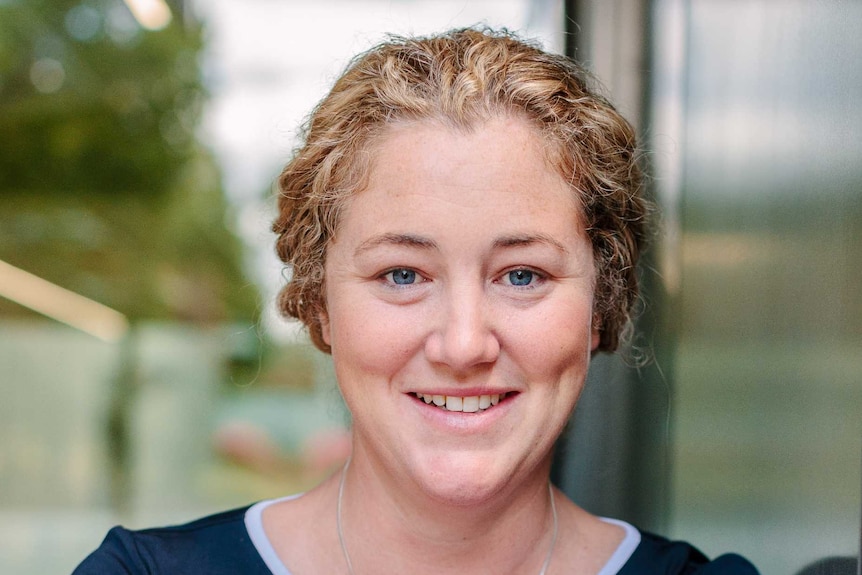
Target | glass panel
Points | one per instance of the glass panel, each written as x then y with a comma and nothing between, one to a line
768,406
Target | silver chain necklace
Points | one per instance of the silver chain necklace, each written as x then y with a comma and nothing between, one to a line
347,555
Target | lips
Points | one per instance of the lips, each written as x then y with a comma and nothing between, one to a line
465,404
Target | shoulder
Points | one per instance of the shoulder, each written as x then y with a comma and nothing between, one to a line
657,555
215,544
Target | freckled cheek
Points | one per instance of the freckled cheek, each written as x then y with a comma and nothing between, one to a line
373,341
553,343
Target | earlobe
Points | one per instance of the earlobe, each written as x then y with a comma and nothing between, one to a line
596,333
324,328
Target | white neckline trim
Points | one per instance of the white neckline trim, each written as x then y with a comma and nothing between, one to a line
254,526
625,549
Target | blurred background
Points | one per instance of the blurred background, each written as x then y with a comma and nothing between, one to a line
145,377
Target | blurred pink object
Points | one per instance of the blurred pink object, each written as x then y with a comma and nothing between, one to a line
248,445
326,449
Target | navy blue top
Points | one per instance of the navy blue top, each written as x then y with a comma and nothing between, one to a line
220,545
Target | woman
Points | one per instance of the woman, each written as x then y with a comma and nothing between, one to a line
462,224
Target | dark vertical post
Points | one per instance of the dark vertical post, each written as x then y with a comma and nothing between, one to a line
570,19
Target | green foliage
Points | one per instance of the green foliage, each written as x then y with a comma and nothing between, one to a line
99,106
104,188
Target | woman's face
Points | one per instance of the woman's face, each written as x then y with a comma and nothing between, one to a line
461,275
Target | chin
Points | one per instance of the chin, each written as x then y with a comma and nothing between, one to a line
463,479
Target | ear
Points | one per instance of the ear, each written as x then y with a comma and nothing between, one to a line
595,333
325,334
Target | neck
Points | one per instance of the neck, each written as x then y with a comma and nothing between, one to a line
391,526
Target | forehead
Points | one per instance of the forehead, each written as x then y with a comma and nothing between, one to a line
503,154
497,174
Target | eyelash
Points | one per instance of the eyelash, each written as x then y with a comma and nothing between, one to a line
537,278
390,281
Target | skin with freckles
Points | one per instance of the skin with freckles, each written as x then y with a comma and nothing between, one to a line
462,269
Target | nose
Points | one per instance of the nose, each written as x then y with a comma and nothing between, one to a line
464,337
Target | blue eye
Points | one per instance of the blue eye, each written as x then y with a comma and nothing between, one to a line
403,276
520,277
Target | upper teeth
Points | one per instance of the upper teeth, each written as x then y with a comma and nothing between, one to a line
469,404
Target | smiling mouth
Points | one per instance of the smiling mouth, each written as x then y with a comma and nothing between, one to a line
469,404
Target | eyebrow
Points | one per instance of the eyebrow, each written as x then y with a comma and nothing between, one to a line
529,239
409,240
424,243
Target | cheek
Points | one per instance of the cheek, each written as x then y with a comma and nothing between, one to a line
562,339
370,340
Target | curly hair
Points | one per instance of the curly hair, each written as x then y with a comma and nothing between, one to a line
463,78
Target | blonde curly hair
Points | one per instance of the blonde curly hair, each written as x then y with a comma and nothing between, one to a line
464,77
